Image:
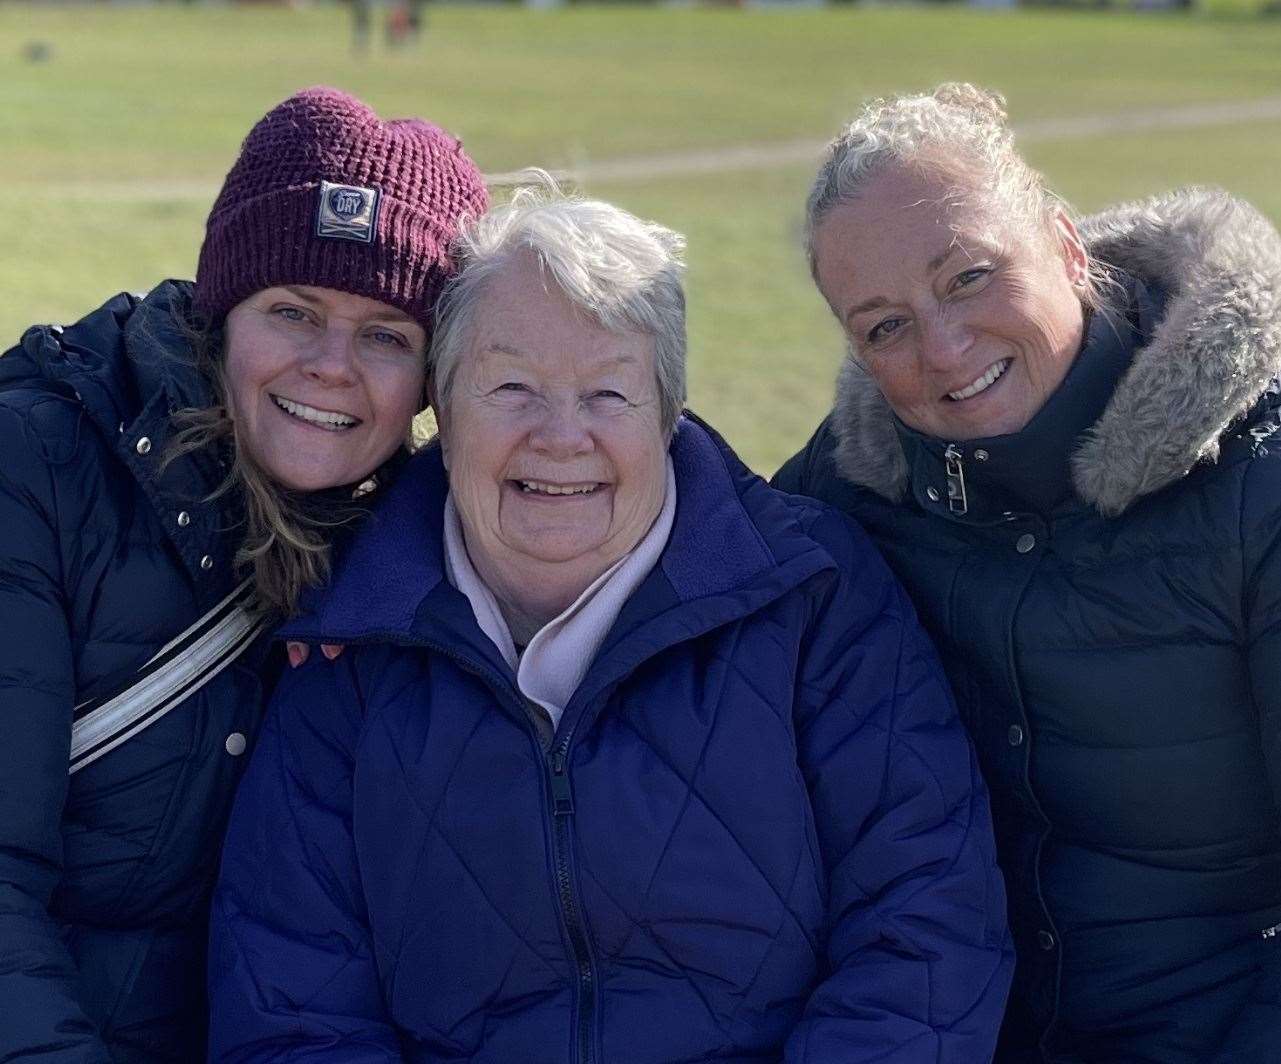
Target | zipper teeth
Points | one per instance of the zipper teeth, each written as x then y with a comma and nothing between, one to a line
569,908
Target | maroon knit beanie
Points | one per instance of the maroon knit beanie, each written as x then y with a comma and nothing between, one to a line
325,193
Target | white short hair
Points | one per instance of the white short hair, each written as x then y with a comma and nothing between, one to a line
624,273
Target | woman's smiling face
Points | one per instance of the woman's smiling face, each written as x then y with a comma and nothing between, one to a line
322,385
552,436
966,320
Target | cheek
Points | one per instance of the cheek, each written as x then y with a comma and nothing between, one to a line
900,383
395,402
478,450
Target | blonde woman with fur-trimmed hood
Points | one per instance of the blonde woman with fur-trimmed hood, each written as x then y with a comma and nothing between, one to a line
1064,437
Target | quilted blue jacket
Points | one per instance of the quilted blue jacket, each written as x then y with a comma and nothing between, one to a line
758,833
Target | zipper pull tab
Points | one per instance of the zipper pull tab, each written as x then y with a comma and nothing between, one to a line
562,794
956,499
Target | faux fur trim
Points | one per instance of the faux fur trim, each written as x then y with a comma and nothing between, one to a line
1207,362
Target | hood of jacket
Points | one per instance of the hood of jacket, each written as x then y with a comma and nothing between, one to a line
128,365
1204,365
115,360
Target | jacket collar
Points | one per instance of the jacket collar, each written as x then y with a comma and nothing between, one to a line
130,366
1198,369
984,480
735,544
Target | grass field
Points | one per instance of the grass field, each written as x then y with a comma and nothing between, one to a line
113,148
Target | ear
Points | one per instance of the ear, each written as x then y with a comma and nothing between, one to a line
1072,249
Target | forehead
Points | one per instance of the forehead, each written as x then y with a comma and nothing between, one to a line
521,316
905,220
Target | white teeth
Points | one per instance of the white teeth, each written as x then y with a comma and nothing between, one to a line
543,488
986,381
326,419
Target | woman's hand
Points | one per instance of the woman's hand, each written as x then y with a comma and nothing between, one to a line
299,652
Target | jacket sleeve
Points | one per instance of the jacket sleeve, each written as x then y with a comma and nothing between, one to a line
919,957
292,975
1261,559
41,1018
1253,1036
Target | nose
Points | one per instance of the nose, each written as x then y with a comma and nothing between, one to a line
944,342
332,361
561,430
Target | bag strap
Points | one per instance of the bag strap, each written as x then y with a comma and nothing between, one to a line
179,669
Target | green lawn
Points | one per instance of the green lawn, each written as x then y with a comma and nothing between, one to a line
111,149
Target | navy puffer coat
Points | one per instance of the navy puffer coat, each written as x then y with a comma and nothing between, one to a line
758,832
105,877
1107,601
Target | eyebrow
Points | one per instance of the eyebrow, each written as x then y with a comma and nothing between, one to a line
513,352
389,313
880,301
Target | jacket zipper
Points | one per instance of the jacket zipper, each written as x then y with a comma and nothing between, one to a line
562,808
957,501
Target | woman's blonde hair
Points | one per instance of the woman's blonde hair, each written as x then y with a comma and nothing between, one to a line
288,535
959,130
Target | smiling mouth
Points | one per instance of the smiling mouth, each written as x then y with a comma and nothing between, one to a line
993,374
543,487
324,419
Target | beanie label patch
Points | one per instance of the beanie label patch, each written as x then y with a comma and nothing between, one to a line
347,212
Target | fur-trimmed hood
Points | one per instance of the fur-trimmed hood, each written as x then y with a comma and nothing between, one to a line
1205,364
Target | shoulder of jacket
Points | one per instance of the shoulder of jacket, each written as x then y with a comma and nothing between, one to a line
41,424
854,553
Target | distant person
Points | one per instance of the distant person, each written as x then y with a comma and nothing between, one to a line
630,758
1066,442
362,13
175,469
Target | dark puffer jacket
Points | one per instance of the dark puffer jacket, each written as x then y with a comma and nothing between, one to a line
1108,607
758,825
105,877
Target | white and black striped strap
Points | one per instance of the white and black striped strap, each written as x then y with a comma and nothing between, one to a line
179,669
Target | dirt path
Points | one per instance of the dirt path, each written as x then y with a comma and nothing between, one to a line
757,156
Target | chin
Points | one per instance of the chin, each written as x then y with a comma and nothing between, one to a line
307,480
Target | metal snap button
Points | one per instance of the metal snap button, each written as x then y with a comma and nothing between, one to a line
143,446
1025,543
1045,940
933,494
980,455
206,563
184,519
1015,735
235,744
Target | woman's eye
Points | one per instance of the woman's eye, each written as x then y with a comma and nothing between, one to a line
883,330
291,313
514,387
388,338
610,395
969,277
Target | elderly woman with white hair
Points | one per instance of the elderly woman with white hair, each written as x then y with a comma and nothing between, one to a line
1065,441
630,758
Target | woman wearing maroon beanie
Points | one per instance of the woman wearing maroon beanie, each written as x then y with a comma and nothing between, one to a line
176,469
